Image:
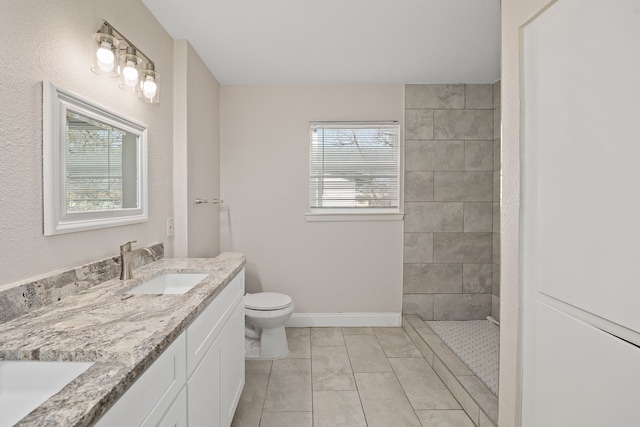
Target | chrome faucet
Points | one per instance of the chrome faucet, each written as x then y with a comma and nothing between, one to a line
126,255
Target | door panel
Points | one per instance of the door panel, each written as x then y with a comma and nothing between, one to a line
580,214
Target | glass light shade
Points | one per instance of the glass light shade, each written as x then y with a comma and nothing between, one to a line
104,60
150,85
105,57
130,74
129,70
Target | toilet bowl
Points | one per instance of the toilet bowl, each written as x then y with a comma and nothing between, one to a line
265,316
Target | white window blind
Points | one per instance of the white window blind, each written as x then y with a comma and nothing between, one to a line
354,166
93,165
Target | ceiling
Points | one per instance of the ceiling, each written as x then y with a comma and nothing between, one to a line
271,42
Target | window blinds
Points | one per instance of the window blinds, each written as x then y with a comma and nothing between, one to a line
93,165
354,165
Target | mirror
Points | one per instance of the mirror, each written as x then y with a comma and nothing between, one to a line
94,165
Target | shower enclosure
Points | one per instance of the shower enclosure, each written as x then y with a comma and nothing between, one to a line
451,195
451,237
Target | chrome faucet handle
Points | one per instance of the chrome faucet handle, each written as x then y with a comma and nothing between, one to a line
127,246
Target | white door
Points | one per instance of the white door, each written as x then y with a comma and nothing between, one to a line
581,215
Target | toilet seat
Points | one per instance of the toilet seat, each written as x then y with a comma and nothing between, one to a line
267,301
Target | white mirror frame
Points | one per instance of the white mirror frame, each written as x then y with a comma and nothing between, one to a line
56,103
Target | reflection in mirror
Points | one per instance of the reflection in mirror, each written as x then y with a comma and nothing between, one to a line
101,165
94,165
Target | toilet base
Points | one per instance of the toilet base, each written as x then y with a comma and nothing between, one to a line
271,346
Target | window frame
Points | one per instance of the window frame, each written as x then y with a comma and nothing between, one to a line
323,214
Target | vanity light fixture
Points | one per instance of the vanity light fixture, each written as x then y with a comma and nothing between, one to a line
116,57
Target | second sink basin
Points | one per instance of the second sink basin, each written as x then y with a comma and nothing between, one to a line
25,385
169,283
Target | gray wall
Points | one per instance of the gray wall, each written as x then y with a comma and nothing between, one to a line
449,201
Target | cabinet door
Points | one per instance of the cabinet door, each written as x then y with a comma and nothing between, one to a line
151,395
231,343
205,328
176,415
203,390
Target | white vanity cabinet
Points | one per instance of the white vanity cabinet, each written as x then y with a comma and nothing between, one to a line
176,415
215,359
198,380
148,399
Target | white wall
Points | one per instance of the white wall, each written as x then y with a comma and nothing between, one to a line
326,267
515,13
196,154
52,40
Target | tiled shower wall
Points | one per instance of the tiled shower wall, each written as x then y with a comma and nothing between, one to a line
449,201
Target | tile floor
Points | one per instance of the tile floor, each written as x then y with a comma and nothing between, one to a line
351,377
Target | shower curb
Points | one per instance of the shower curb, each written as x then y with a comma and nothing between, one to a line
480,404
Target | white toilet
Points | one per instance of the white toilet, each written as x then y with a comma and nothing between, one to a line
265,316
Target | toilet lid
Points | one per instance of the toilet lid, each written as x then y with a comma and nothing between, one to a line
267,301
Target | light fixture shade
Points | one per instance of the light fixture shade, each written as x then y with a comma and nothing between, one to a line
149,85
130,67
105,60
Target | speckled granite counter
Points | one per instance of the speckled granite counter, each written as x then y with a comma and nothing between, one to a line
123,334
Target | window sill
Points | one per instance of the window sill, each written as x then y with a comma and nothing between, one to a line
344,217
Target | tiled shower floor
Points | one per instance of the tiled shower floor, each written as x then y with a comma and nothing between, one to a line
476,343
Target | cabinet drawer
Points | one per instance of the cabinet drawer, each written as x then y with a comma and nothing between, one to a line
149,397
206,327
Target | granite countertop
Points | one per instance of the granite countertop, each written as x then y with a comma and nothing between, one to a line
123,334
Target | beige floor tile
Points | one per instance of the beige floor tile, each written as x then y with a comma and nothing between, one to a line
257,366
396,342
422,385
292,365
337,409
443,418
287,419
250,405
357,331
326,337
289,386
393,386
366,354
384,402
331,369
299,341
424,349
462,396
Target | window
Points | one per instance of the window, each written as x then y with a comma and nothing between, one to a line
98,156
354,168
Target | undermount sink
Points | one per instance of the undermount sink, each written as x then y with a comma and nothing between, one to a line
26,384
169,283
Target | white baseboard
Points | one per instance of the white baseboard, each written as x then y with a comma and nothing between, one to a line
305,320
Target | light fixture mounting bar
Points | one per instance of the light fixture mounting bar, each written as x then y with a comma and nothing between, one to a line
123,38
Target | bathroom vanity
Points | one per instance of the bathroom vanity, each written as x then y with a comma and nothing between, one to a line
158,359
